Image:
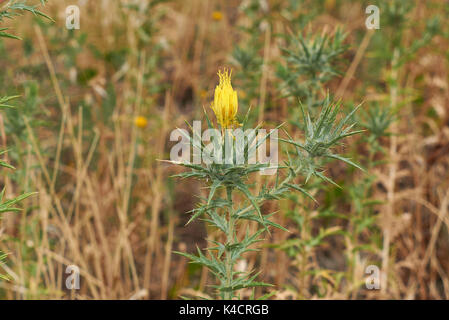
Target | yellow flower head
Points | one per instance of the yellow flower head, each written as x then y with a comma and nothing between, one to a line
225,104
141,122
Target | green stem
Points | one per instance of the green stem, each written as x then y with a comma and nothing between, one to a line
230,235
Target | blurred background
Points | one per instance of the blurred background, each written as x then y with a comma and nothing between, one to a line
97,106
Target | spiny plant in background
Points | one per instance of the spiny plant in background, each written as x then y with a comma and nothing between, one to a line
10,10
309,62
15,8
322,133
362,233
316,61
306,66
259,31
232,179
8,205
248,56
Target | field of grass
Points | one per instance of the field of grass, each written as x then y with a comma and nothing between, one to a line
86,118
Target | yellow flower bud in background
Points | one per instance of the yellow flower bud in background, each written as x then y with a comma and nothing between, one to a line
329,5
217,15
141,122
225,104
203,94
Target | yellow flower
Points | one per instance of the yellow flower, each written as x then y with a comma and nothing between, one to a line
141,122
225,104
217,15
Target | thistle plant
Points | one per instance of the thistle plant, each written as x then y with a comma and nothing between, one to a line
229,180
14,8
8,205
310,62
9,10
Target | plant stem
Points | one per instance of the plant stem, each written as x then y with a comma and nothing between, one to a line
229,294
